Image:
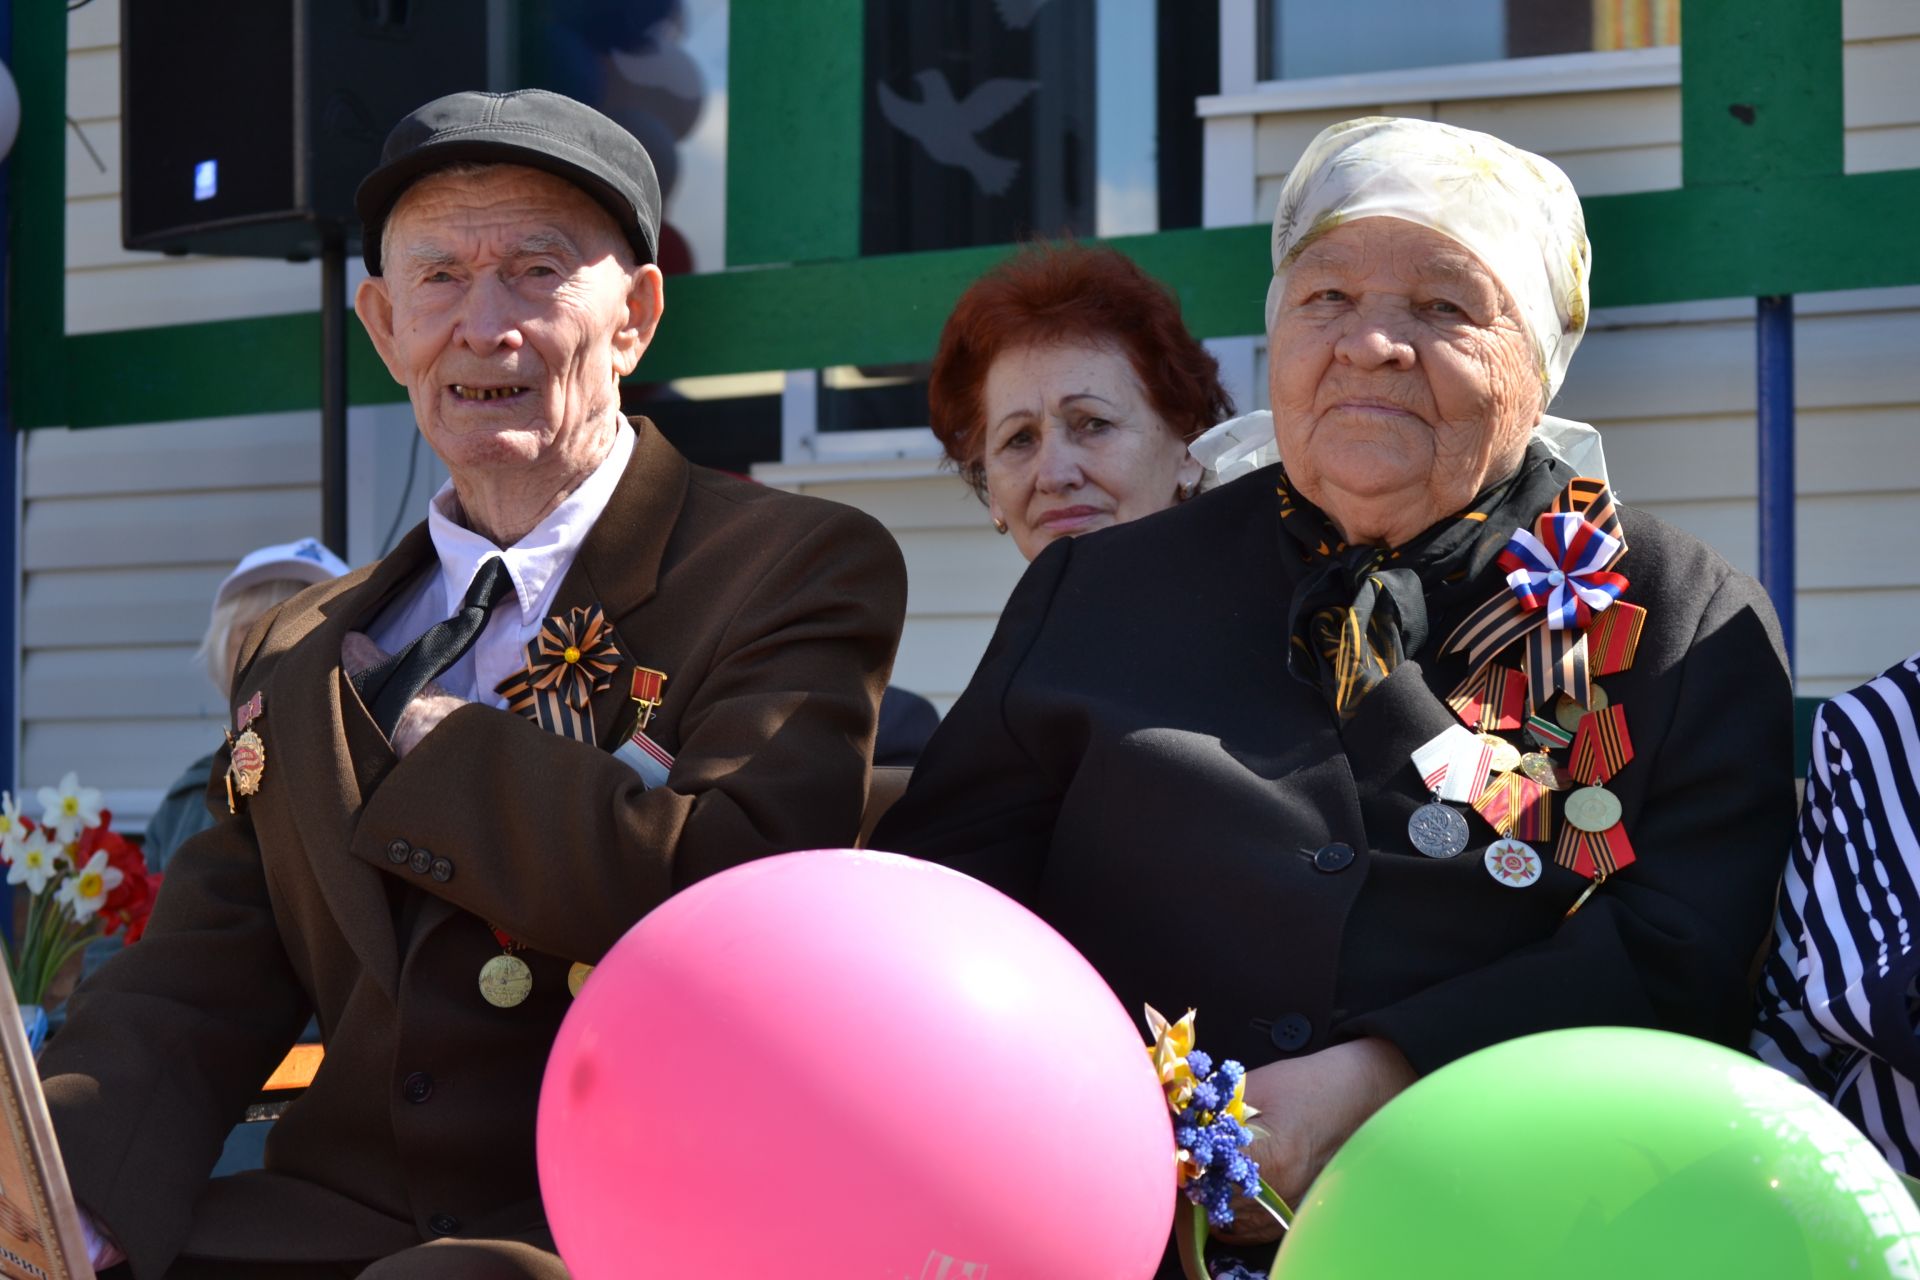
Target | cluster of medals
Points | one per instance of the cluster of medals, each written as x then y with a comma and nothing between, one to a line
572,658
1561,610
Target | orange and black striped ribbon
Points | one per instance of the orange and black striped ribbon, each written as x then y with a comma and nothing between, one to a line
571,659
1614,638
1515,805
1594,854
1601,746
1492,699
1555,660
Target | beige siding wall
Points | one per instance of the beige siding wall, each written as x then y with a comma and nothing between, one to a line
1672,389
126,531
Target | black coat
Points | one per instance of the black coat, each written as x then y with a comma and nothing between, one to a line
1133,761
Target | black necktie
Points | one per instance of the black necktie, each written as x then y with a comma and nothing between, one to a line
389,687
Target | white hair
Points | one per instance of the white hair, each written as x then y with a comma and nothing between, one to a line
234,616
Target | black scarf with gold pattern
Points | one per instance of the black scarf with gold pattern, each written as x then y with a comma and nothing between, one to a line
1361,611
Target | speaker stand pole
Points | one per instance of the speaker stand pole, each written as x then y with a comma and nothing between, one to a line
333,395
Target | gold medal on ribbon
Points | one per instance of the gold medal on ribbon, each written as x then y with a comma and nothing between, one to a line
1592,809
1569,713
1506,756
505,981
648,690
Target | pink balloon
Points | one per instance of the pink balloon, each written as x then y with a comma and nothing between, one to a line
846,1065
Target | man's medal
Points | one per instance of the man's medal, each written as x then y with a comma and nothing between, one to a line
247,754
505,980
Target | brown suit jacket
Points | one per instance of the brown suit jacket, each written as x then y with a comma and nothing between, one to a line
775,618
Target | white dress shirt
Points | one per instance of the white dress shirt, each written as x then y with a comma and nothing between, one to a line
536,563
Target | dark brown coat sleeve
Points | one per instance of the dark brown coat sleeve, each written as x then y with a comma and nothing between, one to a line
179,1037
559,844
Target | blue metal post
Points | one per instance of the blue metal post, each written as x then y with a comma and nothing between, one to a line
1774,337
9,487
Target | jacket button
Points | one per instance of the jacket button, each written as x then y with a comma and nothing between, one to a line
1290,1032
398,850
422,862
443,1224
417,1087
1333,857
442,870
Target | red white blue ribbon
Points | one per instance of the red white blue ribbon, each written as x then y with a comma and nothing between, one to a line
1563,569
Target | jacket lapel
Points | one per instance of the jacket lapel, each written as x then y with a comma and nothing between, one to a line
618,565
617,568
340,755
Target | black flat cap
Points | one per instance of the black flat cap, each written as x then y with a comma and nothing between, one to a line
531,127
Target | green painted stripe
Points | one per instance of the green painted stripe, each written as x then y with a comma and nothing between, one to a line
794,84
1803,236
36,294
1760,90
1807,235
268,364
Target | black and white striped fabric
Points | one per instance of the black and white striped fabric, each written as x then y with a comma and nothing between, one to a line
1838,1004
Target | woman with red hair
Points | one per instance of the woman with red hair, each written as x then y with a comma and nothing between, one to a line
1065,391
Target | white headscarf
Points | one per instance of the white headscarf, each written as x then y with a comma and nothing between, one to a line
1513,210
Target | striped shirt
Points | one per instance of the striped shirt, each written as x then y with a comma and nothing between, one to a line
1838,1004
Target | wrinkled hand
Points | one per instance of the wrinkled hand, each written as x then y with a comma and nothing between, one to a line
1308,1107
429,707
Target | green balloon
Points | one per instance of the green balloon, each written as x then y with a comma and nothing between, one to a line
1605,1153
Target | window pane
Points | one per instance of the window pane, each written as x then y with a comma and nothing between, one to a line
658,67
989,121
1304,38
979,123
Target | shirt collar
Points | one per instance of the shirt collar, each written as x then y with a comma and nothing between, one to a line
537,562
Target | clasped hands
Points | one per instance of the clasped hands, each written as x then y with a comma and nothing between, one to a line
429,707
1309,1106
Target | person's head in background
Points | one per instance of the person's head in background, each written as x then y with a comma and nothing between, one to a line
1065,391
261,580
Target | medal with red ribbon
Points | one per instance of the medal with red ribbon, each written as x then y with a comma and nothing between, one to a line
573,658
1593,842
1517,806
1492,699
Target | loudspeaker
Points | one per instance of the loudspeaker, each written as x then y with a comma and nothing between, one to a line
247,124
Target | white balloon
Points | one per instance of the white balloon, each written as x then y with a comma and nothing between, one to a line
9,111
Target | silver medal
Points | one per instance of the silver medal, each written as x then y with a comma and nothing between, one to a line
1437,830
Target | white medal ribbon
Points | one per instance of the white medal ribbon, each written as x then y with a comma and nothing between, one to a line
1454,764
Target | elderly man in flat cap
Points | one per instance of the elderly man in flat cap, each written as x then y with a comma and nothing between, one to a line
595,675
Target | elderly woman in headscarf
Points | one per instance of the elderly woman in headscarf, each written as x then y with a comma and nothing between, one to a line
1414,741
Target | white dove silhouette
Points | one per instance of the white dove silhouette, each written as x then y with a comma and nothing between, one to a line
947,130
1016,14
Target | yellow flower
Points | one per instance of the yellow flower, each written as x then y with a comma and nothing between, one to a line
1172,1042
1237,1106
